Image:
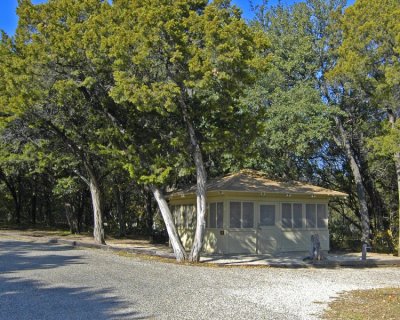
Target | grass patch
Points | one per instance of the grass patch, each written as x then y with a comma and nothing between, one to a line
366,304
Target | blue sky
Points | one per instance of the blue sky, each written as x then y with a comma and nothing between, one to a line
9,20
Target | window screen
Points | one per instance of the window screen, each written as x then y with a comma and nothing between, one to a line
286,215
248,215
185,210
321,216
297,215
234,216
176,212
216,215
267,215
213,215
310,215
220,215
172,209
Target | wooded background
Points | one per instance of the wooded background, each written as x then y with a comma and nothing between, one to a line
104,107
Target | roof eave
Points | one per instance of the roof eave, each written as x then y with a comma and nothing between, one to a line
335,194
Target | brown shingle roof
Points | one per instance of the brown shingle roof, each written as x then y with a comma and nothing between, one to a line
254,181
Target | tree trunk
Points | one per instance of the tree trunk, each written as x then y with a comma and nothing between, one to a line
80,211
95,192
98,230
201,180
392,120
397,163
149,212
18,208
176,243
361,192
201,206
120,209
40,215
70,213
14,193
376,207
33,208
48,215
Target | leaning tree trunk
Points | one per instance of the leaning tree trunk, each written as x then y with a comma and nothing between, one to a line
179,251
201,180
98,230
361,192
95,192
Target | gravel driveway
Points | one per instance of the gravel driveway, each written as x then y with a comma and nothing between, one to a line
41,281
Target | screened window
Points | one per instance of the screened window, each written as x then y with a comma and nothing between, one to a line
292,215
311,215
297,215
322,216
216,217
241,215
248,215
286,215
188,215
176,213
235,215
316,216
185,211
267,215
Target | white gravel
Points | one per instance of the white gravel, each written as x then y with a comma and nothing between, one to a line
40,281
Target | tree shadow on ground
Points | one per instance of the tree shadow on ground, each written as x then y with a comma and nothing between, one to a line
22,298
17,255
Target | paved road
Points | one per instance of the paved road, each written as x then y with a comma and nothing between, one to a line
41,281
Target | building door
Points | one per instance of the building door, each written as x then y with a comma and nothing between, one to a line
266,229
241,234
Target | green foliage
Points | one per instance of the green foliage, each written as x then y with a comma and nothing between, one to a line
369,53
369,60
183,55
388,142
66,186
368,70
297,123
113,86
